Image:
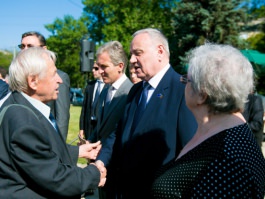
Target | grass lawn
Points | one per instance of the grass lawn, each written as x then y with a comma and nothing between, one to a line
74,128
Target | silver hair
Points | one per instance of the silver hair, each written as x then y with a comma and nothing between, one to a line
116,52
156,36
28,62
223,74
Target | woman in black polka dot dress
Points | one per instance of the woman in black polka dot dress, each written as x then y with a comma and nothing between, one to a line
223,159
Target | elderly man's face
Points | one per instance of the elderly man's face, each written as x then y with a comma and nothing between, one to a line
47,88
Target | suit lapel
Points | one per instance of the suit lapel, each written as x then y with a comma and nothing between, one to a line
156,100
115,101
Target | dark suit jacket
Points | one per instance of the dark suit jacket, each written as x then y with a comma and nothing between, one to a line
108,124
60,108
253,113
164,128
4,89
35,161
85,122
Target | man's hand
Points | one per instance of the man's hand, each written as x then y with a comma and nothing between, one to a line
89,150
103,172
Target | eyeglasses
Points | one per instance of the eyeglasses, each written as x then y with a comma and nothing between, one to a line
23,46
184,79
95,68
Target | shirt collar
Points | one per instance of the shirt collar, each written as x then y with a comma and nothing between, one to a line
43,108
154,81
116,85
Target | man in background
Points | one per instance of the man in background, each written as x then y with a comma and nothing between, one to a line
4,87
61,107
253,113
88,117
133,75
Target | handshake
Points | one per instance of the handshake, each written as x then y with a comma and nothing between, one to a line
90,151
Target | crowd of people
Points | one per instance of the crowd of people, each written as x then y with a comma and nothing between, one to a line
153,134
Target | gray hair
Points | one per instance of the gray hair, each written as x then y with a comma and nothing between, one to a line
116,53
28,62
156,35
223,74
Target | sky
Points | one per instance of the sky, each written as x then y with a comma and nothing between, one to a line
19,16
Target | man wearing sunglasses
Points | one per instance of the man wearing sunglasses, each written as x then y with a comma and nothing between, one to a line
60,108
88,117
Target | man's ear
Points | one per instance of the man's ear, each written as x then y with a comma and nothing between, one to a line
33,82
202,98
121,66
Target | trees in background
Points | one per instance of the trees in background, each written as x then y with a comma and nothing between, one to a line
196,22
65,41
5,59
185,23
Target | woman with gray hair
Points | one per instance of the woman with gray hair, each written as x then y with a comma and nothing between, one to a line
223,158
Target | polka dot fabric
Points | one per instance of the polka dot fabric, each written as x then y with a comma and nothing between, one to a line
229,164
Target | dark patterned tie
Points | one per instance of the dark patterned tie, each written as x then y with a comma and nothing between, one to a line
51,117
141,105
107,101
108,97
97,93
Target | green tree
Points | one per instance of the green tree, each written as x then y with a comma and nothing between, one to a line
199,21
118,20
257,41
5,59
256,13
65,41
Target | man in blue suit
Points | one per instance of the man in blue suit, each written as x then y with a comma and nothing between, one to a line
165,126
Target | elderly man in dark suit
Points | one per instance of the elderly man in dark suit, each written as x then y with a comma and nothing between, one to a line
35,161
156,123
60,107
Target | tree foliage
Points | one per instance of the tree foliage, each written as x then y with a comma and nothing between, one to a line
118,20
185,23
65,41
196,22
5,59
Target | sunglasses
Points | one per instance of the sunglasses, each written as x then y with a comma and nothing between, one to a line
23,46
184,79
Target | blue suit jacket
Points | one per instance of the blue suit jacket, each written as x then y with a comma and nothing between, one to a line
164,128
4,89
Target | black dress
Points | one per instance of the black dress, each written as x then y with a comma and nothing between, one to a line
229,164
